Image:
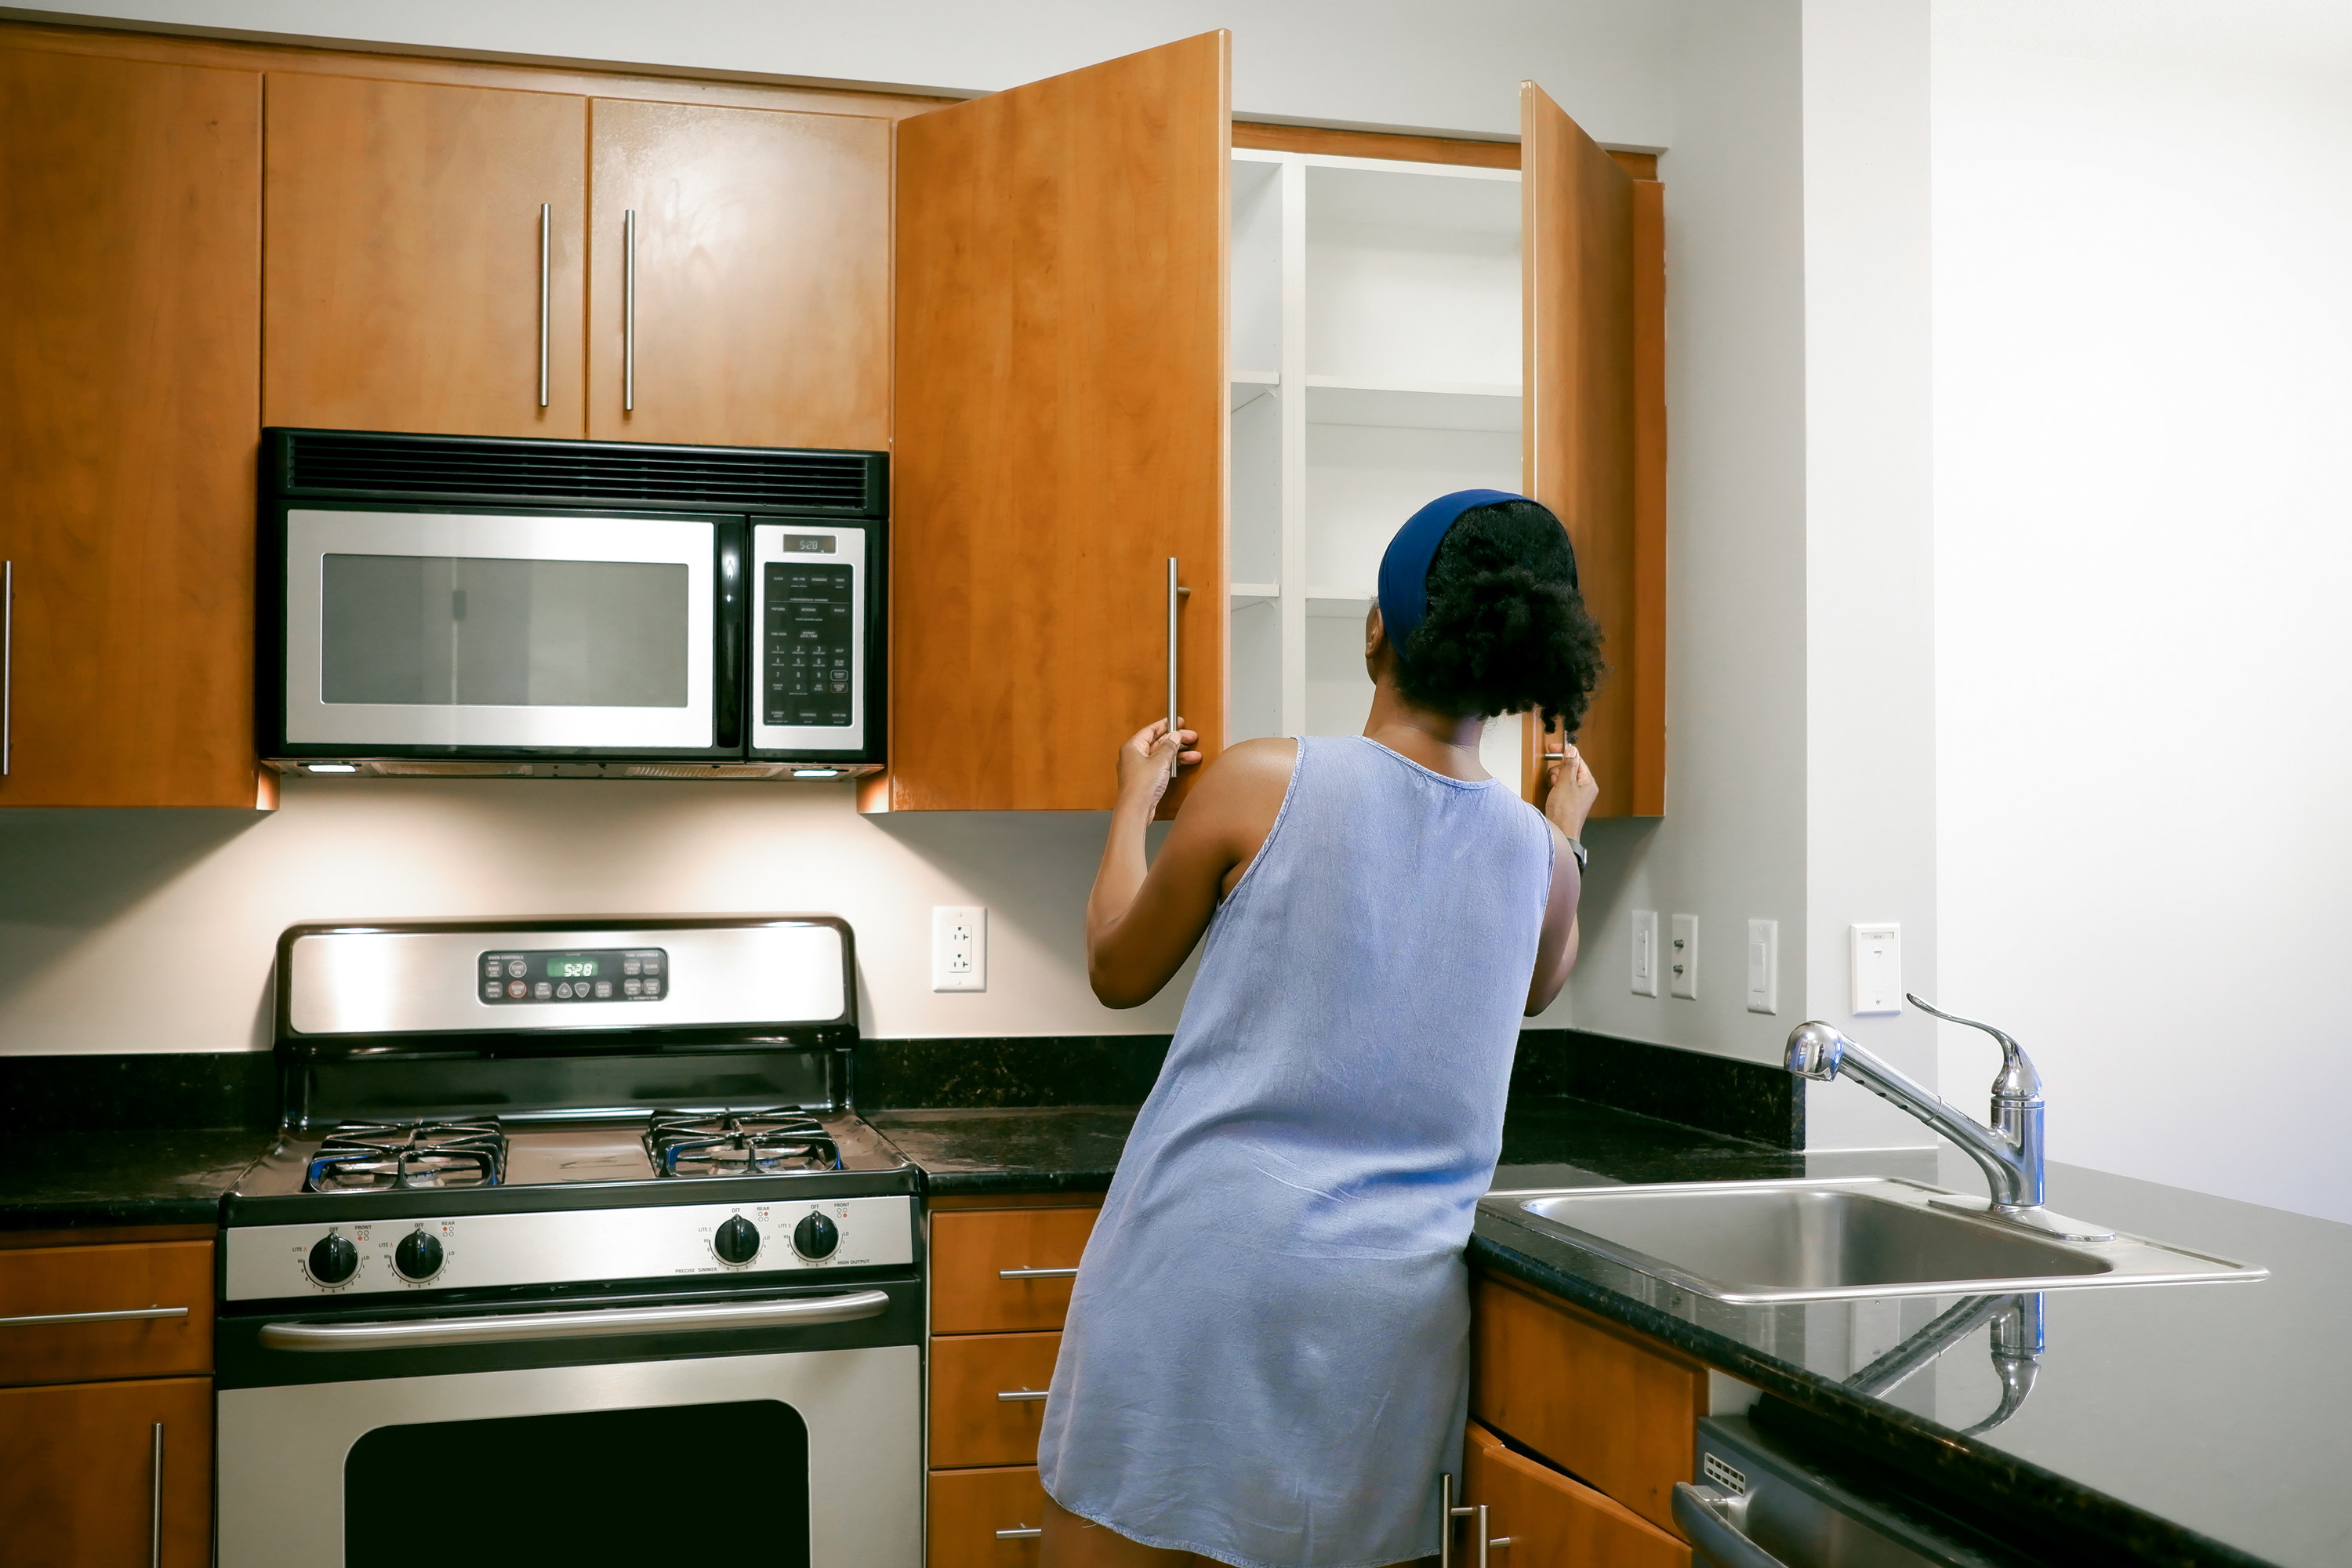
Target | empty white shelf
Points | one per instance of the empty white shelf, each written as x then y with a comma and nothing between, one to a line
1425,406
1246,593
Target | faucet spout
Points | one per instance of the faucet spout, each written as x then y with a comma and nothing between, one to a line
2009,1151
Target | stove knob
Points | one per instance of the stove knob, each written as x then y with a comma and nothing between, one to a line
333,1259
418,1256
737,1241
816,1237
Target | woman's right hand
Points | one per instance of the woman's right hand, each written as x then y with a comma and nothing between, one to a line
1148,761
1573,790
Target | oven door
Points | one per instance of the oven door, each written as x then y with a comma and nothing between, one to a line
412,631
802,1458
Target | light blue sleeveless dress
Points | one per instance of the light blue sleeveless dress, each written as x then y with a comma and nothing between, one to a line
1268,1356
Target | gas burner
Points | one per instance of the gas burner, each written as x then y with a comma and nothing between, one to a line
772,1142
381,1157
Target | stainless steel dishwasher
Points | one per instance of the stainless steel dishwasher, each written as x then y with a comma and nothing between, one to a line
1755,1504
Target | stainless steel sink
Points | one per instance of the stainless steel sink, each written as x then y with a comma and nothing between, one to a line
1838,1239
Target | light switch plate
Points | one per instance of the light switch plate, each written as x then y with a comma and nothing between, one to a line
1763,966
1682,958
1646,953
1877,968
958,947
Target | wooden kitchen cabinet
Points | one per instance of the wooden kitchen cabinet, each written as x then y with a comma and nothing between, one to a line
969,1510
46,1281
129,192
1550,1517
80,1482
972,1250
973,1422
1612,1408
402,278
1060,413
762,268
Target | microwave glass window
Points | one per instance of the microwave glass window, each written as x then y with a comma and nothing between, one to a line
493,632
805,646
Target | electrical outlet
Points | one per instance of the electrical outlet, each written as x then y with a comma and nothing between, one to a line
1763,966
1646,953
1877,968
1682,959
958,947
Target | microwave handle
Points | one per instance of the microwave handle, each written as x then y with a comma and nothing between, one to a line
734,613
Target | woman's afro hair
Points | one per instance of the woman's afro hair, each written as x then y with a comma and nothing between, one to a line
1505,629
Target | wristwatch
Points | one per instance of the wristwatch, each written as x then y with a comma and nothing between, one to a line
1576,847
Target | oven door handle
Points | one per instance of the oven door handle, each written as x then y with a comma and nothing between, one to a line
519,1328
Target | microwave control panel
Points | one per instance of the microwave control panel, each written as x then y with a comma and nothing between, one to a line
810,629
583,975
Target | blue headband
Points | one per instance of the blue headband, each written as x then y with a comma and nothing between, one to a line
1404,570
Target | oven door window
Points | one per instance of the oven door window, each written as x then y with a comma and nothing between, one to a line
600,1486
459,630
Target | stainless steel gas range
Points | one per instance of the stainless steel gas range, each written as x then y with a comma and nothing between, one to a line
572,1240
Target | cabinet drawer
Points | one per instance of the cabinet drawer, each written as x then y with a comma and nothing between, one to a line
972,1250
1592,1399
972,1423
53,1282
1551,1518
968,1507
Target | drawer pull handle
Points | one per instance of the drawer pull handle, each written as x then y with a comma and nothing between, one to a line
1037,1274
1025,1532
1013,1395
155,1504
126,1315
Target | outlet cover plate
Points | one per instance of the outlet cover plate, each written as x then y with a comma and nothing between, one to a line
958,947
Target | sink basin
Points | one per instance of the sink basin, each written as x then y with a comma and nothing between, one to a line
1841,1239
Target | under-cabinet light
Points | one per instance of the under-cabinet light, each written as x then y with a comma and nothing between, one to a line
816,773
332,767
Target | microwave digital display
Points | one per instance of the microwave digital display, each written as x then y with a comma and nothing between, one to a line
807,543
806,661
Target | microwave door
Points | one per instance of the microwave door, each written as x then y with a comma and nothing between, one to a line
447,630
809,620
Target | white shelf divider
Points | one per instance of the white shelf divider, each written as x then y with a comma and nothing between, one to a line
1245,594
1409,406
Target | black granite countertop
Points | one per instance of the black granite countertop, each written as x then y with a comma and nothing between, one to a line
146,1176
2180,1424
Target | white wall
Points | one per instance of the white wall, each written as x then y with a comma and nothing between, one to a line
1392,63
155,931
2145,539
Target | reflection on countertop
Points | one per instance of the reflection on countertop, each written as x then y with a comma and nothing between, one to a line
138,1176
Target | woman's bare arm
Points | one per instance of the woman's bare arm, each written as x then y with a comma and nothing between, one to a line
1143,924
1572,793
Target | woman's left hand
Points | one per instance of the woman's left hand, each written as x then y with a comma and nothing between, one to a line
1148,761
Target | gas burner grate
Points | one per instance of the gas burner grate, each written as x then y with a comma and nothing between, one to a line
379,1157
773,1143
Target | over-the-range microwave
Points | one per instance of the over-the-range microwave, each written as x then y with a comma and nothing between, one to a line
481,606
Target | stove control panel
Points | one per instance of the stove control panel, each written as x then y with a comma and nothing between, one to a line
567,1247
580,974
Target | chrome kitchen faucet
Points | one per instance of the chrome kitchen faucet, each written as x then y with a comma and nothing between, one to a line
2010,1150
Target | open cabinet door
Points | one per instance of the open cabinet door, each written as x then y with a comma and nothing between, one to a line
1060,431
1583,448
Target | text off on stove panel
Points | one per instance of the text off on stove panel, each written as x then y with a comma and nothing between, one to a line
574,974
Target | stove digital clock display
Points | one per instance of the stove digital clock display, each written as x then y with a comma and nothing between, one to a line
600,974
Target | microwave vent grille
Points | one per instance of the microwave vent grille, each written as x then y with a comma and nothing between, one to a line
604,473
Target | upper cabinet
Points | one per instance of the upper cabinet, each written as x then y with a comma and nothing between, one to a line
1058,483
424,263
740,277
131,199
485,261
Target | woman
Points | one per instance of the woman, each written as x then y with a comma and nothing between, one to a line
1267,1360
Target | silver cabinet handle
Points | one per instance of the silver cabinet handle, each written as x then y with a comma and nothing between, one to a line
629,311
1448,1510
1015,1396
1037,1274
546,231
1706,1516
155,1505
1174,593
126,1315
7,656
1025,1532
522,1327
1485,1542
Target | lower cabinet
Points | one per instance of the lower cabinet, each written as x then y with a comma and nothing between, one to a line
982,1518
108,1475
1547,1518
